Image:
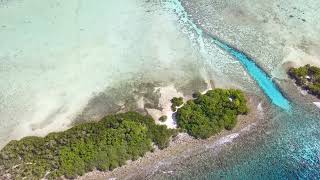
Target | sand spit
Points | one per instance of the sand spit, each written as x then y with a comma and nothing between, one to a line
166,94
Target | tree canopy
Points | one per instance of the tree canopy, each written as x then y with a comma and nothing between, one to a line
307,77
212,112
103,145
110,142
176,102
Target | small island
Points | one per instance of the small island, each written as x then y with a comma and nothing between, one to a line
115,139
307,77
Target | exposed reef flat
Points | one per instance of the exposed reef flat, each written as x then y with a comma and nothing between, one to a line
273,32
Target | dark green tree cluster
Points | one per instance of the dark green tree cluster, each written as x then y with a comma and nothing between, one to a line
176,102
307,77
103,145
163,118
212,112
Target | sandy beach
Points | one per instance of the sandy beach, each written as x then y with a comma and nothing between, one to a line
181,147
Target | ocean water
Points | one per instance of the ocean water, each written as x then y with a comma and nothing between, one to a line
284,145
56,56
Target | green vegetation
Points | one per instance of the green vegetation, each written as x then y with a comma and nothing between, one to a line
104,145
109,143
212,112
307,77
163,118
176,102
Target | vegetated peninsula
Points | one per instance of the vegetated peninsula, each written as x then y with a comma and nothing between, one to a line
104,145
117,138
307,77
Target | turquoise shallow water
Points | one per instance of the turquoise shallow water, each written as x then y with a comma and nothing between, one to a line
267,85
262,78
56,56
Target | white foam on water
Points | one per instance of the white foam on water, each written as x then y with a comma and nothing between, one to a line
228,139
248,128
259,107
260,110
317,104
224,140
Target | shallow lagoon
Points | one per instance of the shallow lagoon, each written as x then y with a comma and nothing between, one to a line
79,60
55,56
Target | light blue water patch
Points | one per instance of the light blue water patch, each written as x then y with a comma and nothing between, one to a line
263,80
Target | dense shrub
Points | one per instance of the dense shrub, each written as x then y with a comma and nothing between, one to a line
212,112
163,118
104,145
176,102
307,77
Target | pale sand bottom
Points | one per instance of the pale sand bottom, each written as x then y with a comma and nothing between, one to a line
166,94
299,57
181,147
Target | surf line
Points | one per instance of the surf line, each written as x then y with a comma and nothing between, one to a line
265,82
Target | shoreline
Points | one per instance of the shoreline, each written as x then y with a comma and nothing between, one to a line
181,147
